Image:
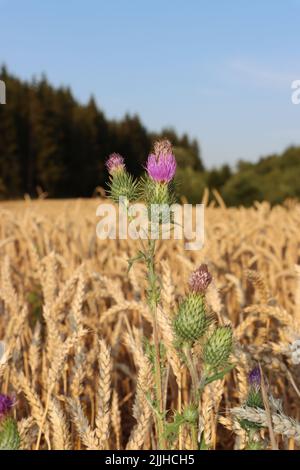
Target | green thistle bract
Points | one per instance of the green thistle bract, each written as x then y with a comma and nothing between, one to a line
218,347
154,192
9,435
190,414
158,198
254,445
122,185
191,321
254,398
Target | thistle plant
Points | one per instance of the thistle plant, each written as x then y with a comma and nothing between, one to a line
9,435
155,188
254,400
191,326
193,320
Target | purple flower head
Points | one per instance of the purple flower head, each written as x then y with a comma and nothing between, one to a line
162,167
255,377
6,403
200,279
115,163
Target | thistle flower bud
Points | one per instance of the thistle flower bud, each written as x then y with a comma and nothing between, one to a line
6,404
191,321
218,347
255,377
9,435
122,184
200,279
158,188
115,163
254,398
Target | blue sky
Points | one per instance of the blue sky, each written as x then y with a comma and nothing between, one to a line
219,70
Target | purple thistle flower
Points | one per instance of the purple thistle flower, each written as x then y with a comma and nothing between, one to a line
162,167
6,403
200,279
115,163
255,377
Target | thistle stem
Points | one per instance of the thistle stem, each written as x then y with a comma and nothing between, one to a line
195,389
193,372
153,301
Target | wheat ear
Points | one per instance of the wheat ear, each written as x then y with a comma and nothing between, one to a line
104,394
86,433
282,424
60,432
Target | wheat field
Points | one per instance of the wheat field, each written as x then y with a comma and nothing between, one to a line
75,325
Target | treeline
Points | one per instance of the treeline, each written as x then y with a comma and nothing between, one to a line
50,141
274,178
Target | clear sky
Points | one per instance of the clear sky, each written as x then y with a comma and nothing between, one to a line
219,70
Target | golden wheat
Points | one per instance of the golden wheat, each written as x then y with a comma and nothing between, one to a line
77,329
